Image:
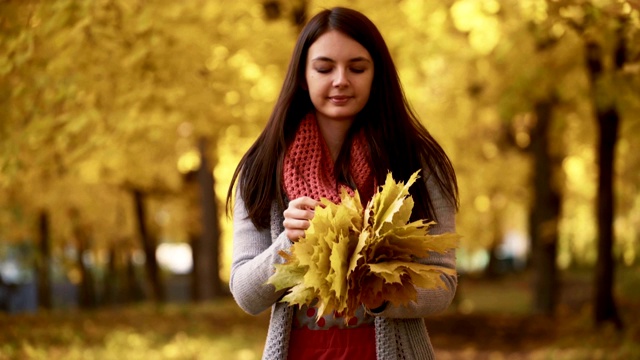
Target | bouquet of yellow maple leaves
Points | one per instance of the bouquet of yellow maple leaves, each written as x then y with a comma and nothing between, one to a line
353,255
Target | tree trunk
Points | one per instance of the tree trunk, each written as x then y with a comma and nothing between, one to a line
149,248
604,307
494,268
194,242
44,262
87,298
544,215
207,249
133,292
87,285
608,120
110,278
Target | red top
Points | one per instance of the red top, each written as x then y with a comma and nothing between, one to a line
333,344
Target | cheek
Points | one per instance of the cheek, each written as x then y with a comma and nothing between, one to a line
309,80
366,88
315,86
315,94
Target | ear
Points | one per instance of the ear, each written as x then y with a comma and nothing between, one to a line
303,85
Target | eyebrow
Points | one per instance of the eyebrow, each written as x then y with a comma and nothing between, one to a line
328,59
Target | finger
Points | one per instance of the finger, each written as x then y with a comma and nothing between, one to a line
298,214
305,202
294,235
296,224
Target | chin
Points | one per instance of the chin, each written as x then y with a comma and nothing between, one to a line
342,115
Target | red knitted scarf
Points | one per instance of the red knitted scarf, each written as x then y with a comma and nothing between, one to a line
308,166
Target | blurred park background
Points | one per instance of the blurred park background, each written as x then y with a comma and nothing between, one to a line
121,122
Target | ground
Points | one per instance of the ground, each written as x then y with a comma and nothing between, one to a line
490,320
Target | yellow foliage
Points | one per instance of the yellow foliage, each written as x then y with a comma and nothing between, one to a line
352,255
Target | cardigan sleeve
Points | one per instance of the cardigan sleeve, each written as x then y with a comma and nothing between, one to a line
431,301
255,253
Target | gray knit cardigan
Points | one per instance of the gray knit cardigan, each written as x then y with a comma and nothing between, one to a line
400,331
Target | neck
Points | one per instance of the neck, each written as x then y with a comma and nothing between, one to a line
334,132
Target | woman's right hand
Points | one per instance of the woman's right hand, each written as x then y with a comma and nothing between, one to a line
297,217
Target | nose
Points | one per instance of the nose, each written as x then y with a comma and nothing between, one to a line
341,79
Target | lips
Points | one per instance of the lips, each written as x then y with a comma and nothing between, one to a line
340,99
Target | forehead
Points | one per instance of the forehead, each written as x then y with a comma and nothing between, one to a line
337,46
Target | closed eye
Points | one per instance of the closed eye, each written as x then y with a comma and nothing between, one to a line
324,70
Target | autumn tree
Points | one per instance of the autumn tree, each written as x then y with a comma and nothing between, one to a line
101,101
610,35
105,88
542,78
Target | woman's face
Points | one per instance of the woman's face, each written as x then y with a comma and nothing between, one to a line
339,73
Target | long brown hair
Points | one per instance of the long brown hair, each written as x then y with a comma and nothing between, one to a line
397,139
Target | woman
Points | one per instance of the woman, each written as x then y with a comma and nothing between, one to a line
341,119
